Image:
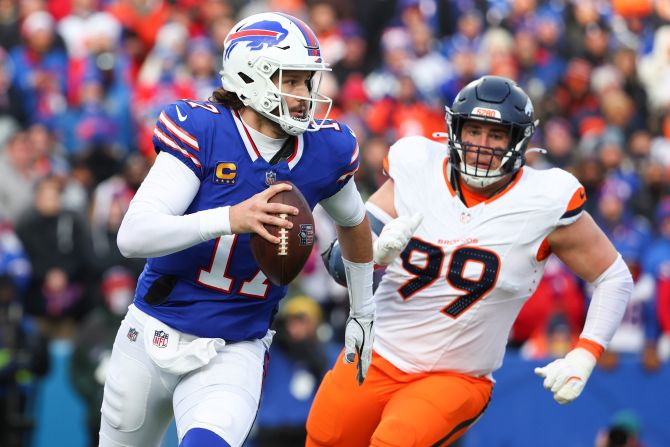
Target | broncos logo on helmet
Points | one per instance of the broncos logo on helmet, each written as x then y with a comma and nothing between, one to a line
257,36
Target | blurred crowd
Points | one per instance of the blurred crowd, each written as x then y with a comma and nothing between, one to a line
83,81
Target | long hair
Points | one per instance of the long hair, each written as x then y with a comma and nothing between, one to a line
227,99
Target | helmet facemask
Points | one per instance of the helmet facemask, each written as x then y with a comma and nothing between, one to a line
282,114
492,100
270,44
481,175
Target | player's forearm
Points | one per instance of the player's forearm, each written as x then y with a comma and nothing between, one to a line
146,232
611,292
155,224
356,242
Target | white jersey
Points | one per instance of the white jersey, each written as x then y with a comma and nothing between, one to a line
449,301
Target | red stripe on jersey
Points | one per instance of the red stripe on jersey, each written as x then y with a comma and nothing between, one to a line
354,156
347,174
167,140
251,141
178,132
295,152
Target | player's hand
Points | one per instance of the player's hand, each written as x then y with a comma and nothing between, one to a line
250,215
358,338
566,377
394,237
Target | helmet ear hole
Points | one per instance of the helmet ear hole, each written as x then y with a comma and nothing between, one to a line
247,79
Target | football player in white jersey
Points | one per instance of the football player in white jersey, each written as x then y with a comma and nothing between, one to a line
466,237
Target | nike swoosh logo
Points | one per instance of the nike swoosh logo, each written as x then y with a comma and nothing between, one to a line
179,115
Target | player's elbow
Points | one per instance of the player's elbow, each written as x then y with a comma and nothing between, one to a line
127,243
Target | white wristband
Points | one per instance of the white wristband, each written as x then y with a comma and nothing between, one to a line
214,222
359,284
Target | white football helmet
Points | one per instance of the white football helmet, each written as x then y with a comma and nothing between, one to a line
261,45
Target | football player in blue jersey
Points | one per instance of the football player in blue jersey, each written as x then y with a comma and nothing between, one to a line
194,342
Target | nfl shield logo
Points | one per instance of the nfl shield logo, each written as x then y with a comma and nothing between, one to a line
132,334
306,234
270,178
161,339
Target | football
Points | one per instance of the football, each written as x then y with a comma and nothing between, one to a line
282,262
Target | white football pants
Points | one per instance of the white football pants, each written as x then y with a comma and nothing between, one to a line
140,398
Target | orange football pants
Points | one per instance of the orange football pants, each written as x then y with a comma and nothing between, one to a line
393,408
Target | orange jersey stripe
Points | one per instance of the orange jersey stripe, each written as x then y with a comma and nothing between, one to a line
544,251
577,201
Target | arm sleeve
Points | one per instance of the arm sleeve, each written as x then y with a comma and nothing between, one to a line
155,224
345,207
611,293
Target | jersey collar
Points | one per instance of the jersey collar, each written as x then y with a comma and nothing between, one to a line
512,184
252,150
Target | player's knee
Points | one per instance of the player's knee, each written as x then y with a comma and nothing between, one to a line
322,431
201,437
123,408
394,432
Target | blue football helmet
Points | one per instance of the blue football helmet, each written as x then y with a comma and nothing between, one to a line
491,99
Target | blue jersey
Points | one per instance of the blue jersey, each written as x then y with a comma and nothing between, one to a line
215,288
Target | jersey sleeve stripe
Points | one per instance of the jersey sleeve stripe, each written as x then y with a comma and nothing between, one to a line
354,157
165,139
347,174
178,132
543,251
577,200
572,213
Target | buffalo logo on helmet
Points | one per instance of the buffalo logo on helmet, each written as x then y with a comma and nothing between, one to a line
257,36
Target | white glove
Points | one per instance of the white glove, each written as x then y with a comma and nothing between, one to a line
358,338
394,237
567,377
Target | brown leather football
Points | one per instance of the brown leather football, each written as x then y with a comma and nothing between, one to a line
282,262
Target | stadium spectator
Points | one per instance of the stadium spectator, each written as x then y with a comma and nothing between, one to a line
40,69
299,360
25,360
58,247
17,176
